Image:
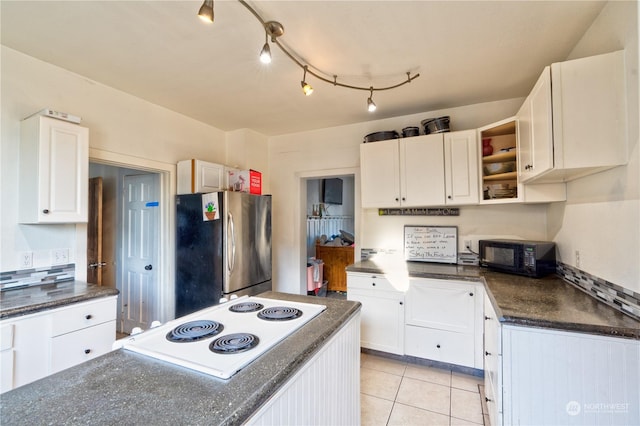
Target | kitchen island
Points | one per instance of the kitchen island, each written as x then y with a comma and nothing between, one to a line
122,387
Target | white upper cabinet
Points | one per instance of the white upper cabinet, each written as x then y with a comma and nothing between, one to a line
535,130
405,172
500,182
54,171
461,167
200,176
577,112
412,172
380,174
421,171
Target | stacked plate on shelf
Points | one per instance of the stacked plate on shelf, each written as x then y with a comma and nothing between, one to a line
501,190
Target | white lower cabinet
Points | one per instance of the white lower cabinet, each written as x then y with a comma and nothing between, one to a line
79,346
382,314
6,357
492,362
46,342
439,345
553,377
426,318
543,377
442,321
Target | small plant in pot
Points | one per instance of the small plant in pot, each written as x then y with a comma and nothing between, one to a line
210,211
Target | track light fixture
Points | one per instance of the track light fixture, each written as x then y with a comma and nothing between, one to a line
206,11
274,30
265,53
306,87
371,106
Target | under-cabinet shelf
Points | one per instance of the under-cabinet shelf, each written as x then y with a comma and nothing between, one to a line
501,176
500,157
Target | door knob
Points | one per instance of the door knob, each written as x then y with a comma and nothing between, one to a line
148,267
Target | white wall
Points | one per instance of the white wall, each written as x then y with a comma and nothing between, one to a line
601,218
294,156
247,149
117,122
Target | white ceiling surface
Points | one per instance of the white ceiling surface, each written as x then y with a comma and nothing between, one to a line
465,51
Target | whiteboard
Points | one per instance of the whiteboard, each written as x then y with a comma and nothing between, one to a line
431,243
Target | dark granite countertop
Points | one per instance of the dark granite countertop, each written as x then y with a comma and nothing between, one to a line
34,299
122,387
548,302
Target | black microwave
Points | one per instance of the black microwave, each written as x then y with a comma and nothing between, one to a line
530,258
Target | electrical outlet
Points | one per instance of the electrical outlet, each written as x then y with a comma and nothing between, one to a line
577,258
60,256
25,259
467,244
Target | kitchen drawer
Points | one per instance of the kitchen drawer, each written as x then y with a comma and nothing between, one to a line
6,336
82,315
438,345
443,305
74,348
6,370
370,282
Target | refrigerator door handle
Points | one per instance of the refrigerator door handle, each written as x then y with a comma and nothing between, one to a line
231,257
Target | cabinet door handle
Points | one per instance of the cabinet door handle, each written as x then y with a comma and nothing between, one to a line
487,353
88,316
487,399
404,199
45,211
87,351
470,294
449,196
438,346
373,284
487,318
397,199
401,303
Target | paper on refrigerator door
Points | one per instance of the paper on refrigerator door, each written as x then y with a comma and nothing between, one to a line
210,210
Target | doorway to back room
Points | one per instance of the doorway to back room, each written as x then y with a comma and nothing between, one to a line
124,246
330,232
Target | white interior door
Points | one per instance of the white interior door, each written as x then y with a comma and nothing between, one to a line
138,289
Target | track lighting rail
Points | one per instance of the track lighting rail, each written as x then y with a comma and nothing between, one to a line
269,27
273,30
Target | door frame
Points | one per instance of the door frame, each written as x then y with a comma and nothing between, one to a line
166,238
301,237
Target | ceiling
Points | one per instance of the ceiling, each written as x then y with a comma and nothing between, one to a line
466,52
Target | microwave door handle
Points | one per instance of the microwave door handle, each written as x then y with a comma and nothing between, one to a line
231,234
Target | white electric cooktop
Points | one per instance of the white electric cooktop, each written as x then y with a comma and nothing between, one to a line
223,339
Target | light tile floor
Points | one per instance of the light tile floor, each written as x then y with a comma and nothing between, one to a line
399,393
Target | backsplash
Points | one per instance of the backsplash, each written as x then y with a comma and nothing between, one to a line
620,298
37,276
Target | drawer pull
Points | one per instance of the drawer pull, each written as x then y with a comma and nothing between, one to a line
88,317
470,294
401,303
487,399
373,284
45,211
487,318
487,353
438,346
87,351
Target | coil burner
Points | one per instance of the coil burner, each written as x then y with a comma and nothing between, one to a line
279,313
246,307
194,330
234,343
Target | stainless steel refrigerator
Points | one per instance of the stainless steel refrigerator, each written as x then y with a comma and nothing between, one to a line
224,256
